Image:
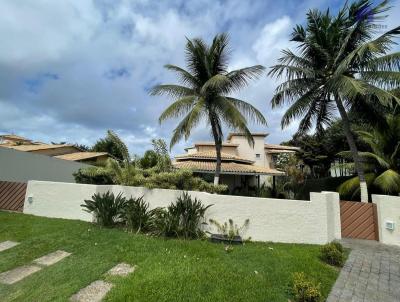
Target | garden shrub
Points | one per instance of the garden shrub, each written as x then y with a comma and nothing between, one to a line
304,289
181,219
137,216
106,208
333,253
84,176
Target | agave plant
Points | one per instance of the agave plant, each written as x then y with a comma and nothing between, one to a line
106,208
382,163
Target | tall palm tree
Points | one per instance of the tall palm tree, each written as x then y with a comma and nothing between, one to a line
342,64
205,94
383,162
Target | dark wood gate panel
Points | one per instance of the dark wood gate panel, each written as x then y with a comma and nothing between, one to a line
359,220
12,195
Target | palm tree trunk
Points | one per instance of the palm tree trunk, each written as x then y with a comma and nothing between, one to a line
218,147
353,149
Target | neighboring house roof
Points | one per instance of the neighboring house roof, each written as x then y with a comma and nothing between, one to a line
226,168
81,155
212,155
30,148
276,149
14,137
263,134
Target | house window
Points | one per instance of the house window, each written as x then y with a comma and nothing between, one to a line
258,155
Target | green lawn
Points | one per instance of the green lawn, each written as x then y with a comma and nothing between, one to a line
168,270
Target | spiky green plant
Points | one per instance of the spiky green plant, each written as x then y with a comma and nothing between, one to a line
182,218
137,215
106,208
382,163
230,229
205,94
342,62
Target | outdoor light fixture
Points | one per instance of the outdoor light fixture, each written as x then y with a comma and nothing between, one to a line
389,225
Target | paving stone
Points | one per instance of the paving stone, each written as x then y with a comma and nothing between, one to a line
5,245
17,274
51,258
371,273
121,269
94,292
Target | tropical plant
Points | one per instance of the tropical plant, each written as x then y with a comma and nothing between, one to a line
137,215
230,229
204,94
382,164
341,64
106,208
181,219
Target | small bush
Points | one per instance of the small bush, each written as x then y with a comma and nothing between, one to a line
305,290
181,219
106,208
333,253
137,216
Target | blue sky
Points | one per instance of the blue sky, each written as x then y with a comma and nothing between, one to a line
70,70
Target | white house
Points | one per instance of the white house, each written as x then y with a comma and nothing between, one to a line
243,166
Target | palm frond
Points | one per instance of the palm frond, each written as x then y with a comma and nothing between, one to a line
178,108
388,181
248,110
185,77
174,91
188,123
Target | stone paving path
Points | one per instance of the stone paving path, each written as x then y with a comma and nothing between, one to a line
19,273
5,245
51,258
97,290
94,292
370,274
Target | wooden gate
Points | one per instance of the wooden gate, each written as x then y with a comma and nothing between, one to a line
359,220
12,195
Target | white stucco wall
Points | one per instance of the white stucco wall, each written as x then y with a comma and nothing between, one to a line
293,221
23,166
388,208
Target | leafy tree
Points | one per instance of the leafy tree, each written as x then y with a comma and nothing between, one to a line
341,64
382,163
149,159
109,145
205,94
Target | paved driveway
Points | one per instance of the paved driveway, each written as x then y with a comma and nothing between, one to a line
371,273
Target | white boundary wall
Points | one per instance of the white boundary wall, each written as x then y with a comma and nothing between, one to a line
279,220
388,208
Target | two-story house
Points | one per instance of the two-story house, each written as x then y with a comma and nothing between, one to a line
243,166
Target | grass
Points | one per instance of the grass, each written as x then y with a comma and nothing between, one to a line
168,270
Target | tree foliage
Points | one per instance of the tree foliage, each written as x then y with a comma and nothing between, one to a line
205,93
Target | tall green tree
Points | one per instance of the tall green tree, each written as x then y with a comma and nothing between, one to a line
342,63
205,94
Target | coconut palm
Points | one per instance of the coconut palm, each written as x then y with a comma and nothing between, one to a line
382,164
342,65
205,94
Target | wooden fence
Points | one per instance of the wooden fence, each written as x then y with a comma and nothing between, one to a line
359,220
12,195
